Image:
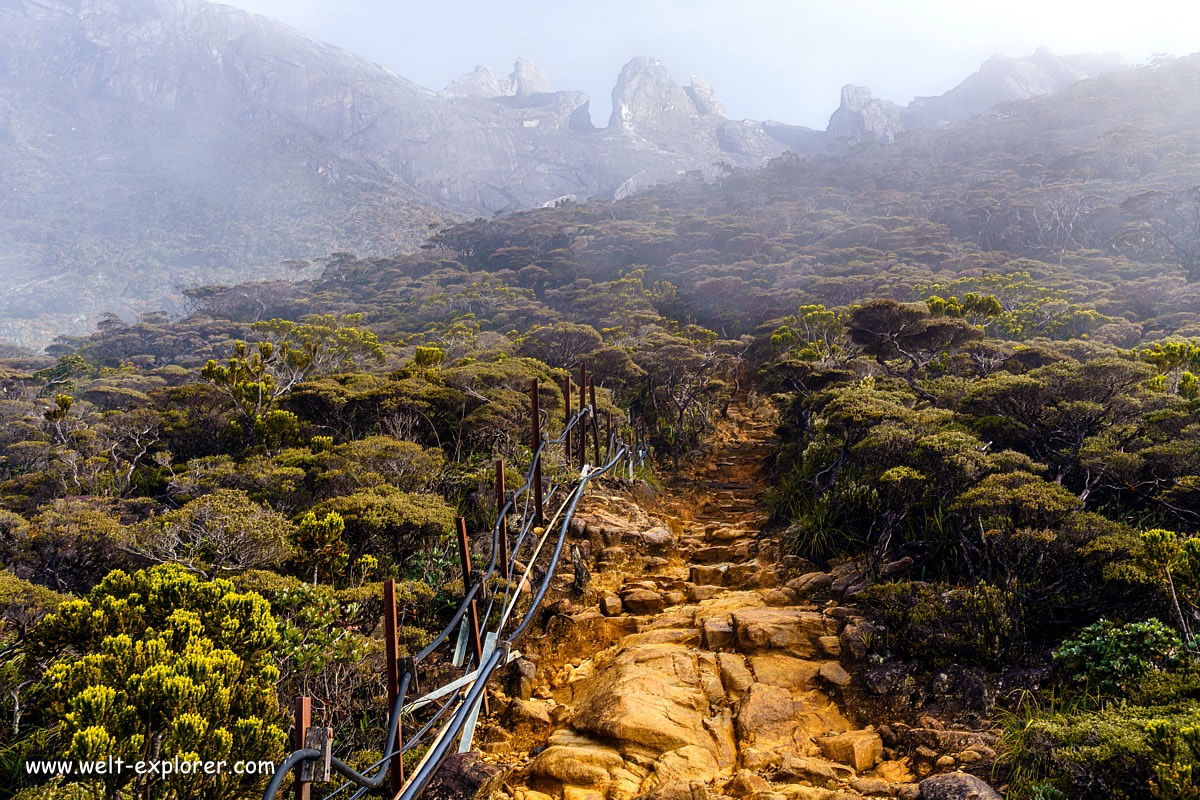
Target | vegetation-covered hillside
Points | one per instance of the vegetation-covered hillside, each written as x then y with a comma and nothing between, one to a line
980,341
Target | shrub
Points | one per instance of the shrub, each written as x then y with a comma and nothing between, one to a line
939,624
1176,750
162,662
1108,658
1108,753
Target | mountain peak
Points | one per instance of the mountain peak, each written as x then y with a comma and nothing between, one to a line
704,96
647,95
481,82
863,116
526,79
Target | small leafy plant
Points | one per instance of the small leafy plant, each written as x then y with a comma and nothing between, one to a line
1108,658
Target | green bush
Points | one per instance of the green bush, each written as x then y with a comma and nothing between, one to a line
162,663
1108,658
1108,753
940,624
1176,751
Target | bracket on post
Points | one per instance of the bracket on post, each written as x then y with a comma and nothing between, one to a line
409,665
317,771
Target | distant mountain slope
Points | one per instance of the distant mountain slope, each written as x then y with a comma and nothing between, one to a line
147,145
999,80
137,153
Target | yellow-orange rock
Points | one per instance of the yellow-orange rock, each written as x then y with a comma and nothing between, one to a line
858,749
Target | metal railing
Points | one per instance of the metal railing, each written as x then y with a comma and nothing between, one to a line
458,702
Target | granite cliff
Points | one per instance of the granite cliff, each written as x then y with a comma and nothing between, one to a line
1000,80
148,145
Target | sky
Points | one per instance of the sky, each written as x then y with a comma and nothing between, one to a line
767,59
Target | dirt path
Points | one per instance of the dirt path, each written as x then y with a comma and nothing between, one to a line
691,667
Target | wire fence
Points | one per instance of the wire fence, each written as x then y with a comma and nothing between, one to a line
480,651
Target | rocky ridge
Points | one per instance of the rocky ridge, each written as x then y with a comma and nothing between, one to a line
700,663
1000,80
153,145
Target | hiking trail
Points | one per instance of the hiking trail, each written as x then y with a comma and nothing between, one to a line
692,666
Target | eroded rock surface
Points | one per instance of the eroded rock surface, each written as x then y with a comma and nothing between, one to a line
695,668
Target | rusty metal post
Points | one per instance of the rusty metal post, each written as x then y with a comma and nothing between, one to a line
391,642
566,390
538,518
464,553
505,568
595,421
303,721
582,403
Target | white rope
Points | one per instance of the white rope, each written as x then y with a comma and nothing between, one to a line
457,683
529,564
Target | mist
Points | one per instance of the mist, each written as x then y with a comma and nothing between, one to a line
767,59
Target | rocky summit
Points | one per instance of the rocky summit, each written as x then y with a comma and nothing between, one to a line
154,145
999,80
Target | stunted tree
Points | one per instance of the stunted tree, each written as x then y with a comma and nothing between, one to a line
319,543
686,377
905,338
1051,412
289,354
221,532
562,344
377,461
412,529
815,333
69,545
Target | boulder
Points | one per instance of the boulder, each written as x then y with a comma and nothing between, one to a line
788,672
708,575
830,646
656,541
854,638
610,605
833,673
642,602
813,770
518,679
956,786
858,749
698,594
526,715
872,787
579,764
734,674
793,630
674,598
745,784
463,776
649,695
686,765
718,634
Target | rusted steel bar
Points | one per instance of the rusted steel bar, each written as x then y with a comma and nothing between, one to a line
568,439
391,641
464,553
595,422
582,403
303,721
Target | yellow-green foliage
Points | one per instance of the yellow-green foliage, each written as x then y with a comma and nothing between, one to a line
160,664
1112,753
